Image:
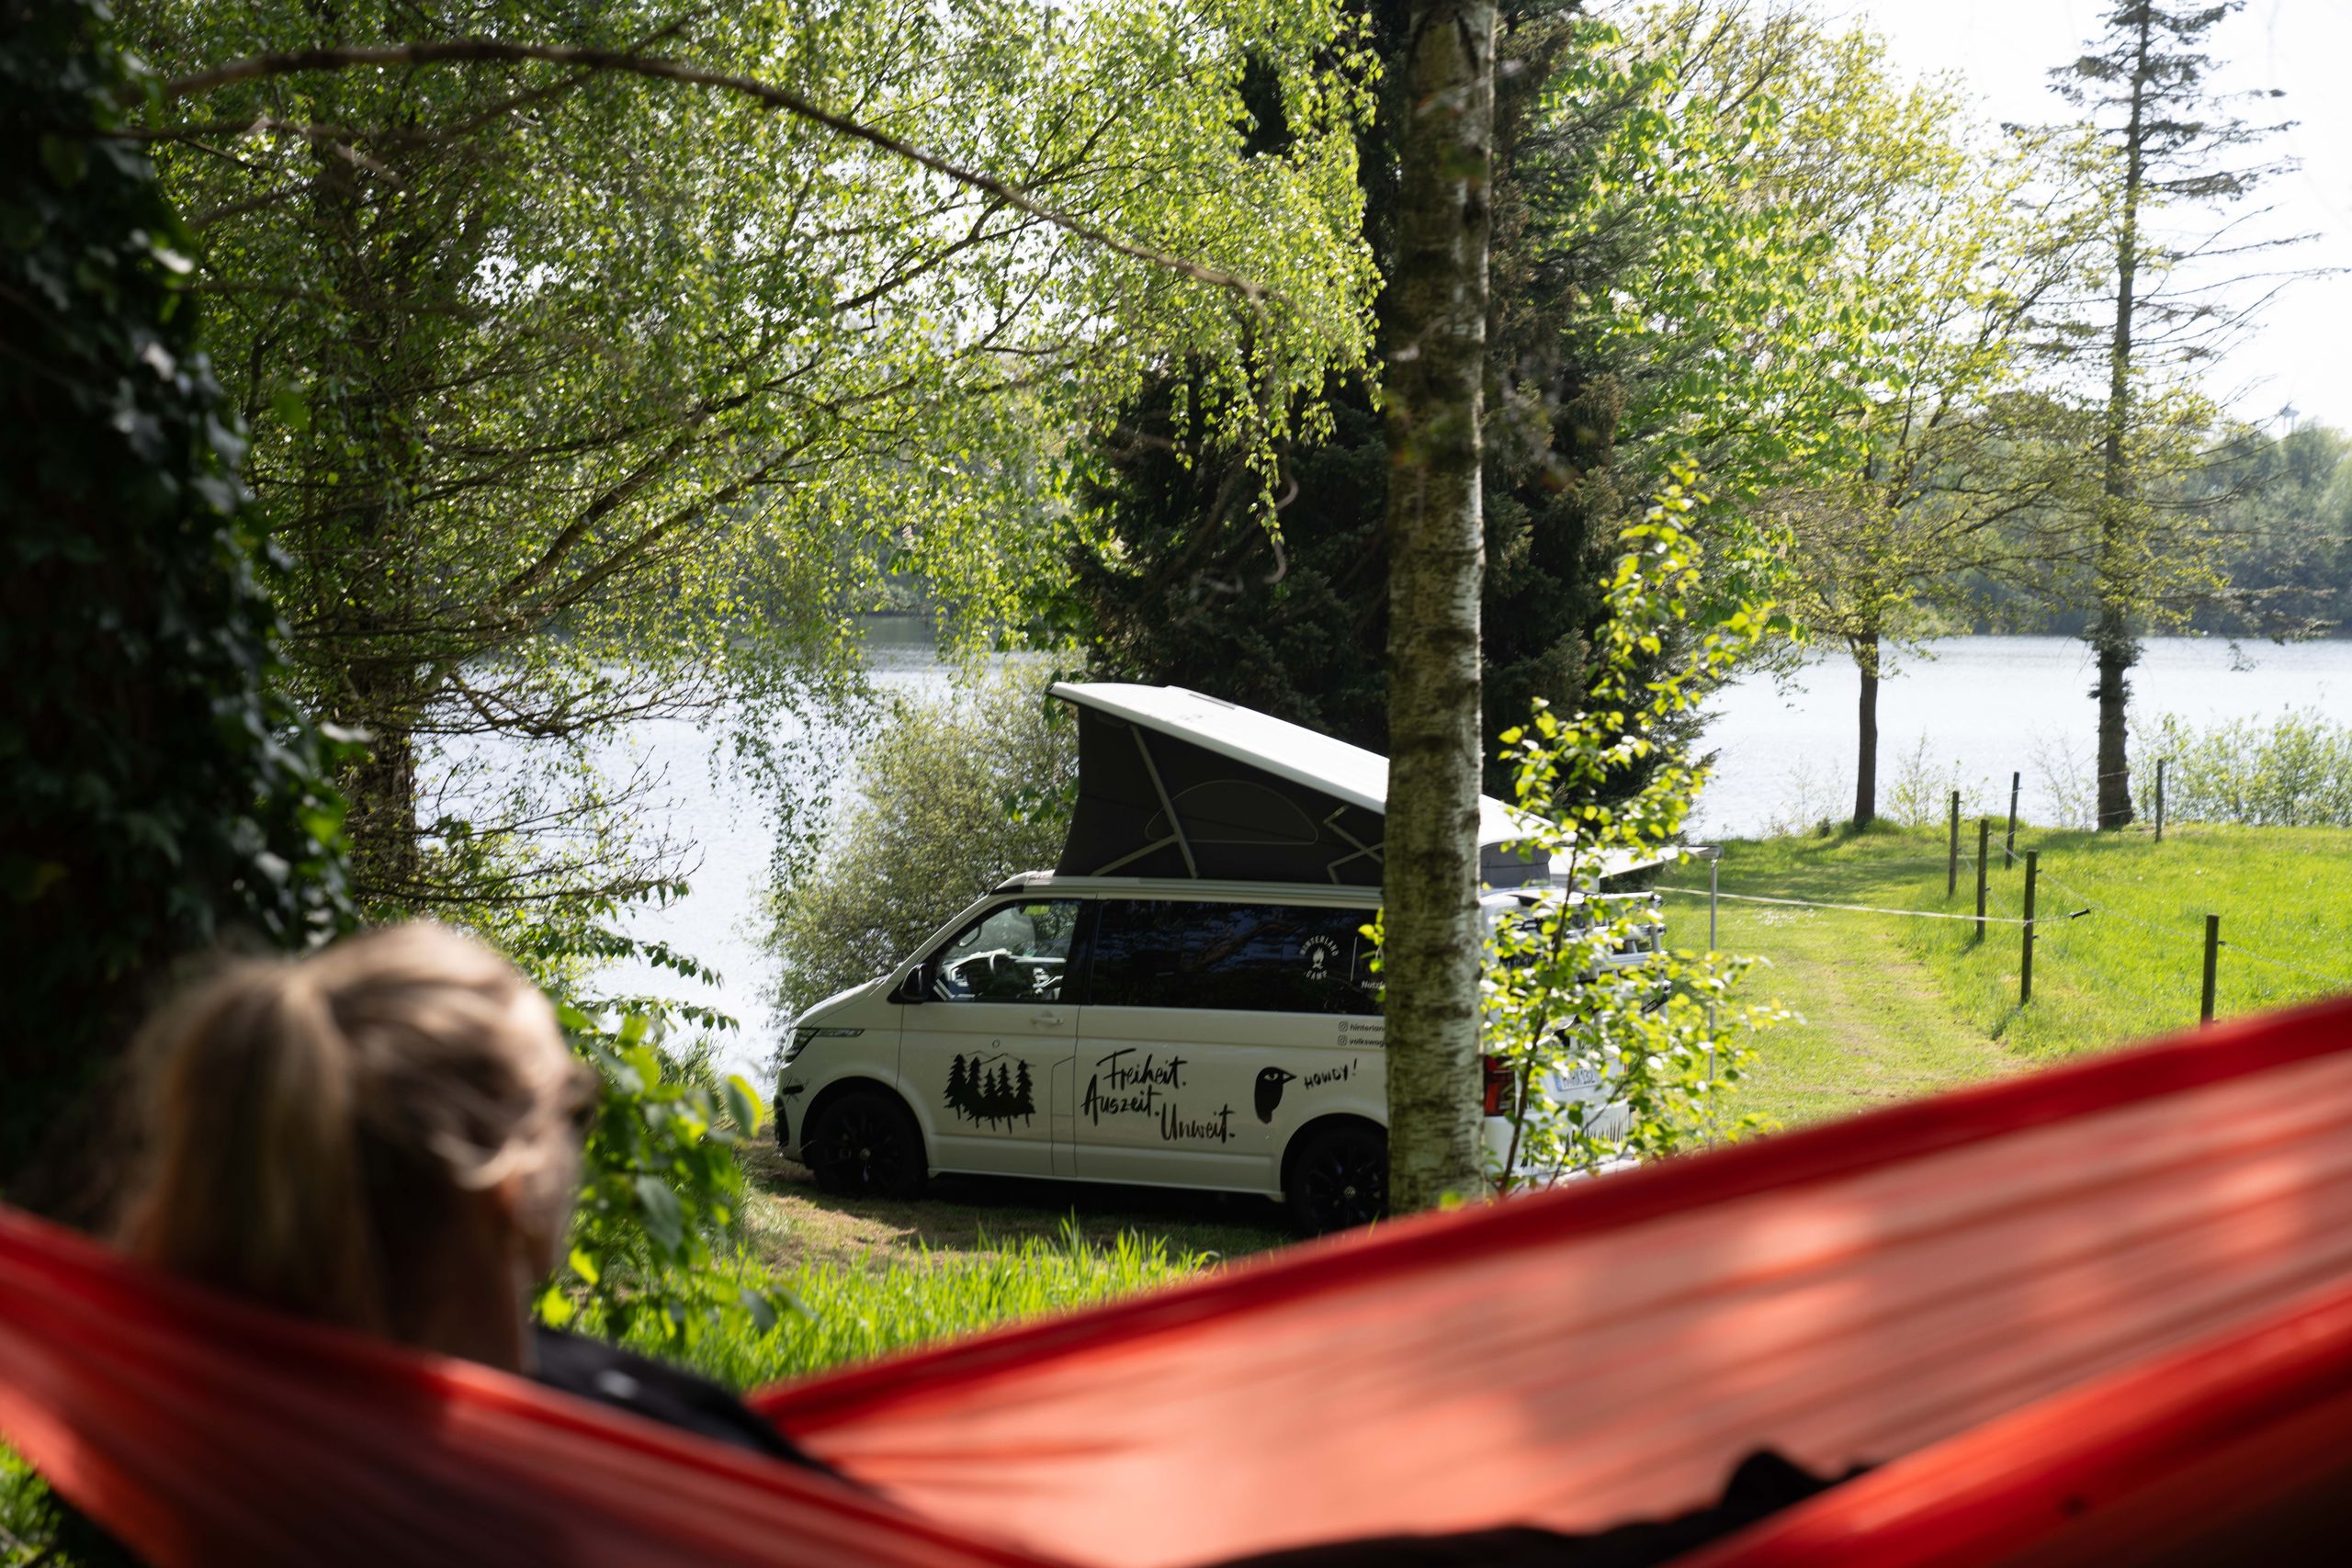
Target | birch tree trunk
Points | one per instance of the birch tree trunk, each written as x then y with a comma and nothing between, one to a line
1434,399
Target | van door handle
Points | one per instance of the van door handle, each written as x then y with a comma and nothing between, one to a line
1047,1020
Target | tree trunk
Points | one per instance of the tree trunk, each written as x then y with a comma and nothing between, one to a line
382,789
2117,649
1433,402
2116,654
1866,752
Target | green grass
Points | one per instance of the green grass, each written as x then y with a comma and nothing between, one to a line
1894,1008
857,1311
2131,968
788,1222
1871,1027
878,1275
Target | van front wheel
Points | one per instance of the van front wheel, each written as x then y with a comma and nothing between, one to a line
866,1146
1339,1178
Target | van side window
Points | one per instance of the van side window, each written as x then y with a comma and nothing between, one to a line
1015,952
1176,953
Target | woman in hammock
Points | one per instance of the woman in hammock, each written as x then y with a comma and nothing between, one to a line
386,1136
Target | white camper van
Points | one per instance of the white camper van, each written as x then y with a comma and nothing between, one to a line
1142,1014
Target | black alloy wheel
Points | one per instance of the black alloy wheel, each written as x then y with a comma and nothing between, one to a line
1338,1179
866,1146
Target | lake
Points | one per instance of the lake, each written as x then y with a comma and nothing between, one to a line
1965,712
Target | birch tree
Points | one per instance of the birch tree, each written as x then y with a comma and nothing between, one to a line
1433,401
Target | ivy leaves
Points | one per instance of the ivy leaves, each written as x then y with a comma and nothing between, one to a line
163,796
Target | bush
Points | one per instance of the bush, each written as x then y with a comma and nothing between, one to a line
2293,771
1662,1034
954,794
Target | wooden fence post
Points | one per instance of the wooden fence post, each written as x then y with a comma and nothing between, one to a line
2160,799
1984,855
2025,965
1951,856
2009,847
2213,958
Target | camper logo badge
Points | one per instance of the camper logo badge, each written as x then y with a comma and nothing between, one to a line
1319,951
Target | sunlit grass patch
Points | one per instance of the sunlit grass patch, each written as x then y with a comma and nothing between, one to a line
2119,952
859,1310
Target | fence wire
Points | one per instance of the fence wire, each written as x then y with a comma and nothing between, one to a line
2090,907
1851,908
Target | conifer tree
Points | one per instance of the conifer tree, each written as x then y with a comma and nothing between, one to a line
2146,84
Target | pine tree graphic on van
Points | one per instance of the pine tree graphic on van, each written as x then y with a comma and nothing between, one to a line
976,1094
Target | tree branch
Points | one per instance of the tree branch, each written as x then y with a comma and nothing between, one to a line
493,51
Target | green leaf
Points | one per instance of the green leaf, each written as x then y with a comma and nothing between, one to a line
743,1105
659,1208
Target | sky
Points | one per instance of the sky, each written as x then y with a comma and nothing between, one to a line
2300,354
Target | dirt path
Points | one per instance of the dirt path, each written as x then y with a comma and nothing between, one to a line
790,1223
1873,1024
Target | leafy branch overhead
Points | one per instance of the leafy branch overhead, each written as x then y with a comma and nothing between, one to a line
600,381
483,50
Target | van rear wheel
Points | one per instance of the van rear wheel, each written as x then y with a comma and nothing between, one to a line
1338,1179
866,1146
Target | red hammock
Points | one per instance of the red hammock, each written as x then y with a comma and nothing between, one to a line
2100,1314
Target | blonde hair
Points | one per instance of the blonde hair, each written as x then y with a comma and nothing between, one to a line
312,1126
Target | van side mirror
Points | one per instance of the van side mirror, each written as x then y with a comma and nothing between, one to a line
911,989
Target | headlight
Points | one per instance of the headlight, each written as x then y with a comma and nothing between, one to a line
801,1037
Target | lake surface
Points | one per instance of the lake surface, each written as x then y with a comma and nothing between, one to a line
1966,711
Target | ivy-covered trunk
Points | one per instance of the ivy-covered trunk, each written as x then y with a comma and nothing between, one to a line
1434,401
163,796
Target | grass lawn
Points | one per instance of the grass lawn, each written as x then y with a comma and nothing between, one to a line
790,1224
877,1276
1871,1027
2131,969
1893,1008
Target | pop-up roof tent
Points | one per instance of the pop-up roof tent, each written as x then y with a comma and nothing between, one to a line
1177,784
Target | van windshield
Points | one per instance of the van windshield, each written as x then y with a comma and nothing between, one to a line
1015,952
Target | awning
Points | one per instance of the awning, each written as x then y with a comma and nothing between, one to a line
1173,783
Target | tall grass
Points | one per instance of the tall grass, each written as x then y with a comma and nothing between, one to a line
857,1312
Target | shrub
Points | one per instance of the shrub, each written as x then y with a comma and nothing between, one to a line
2293,771
1661,1034
954,794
